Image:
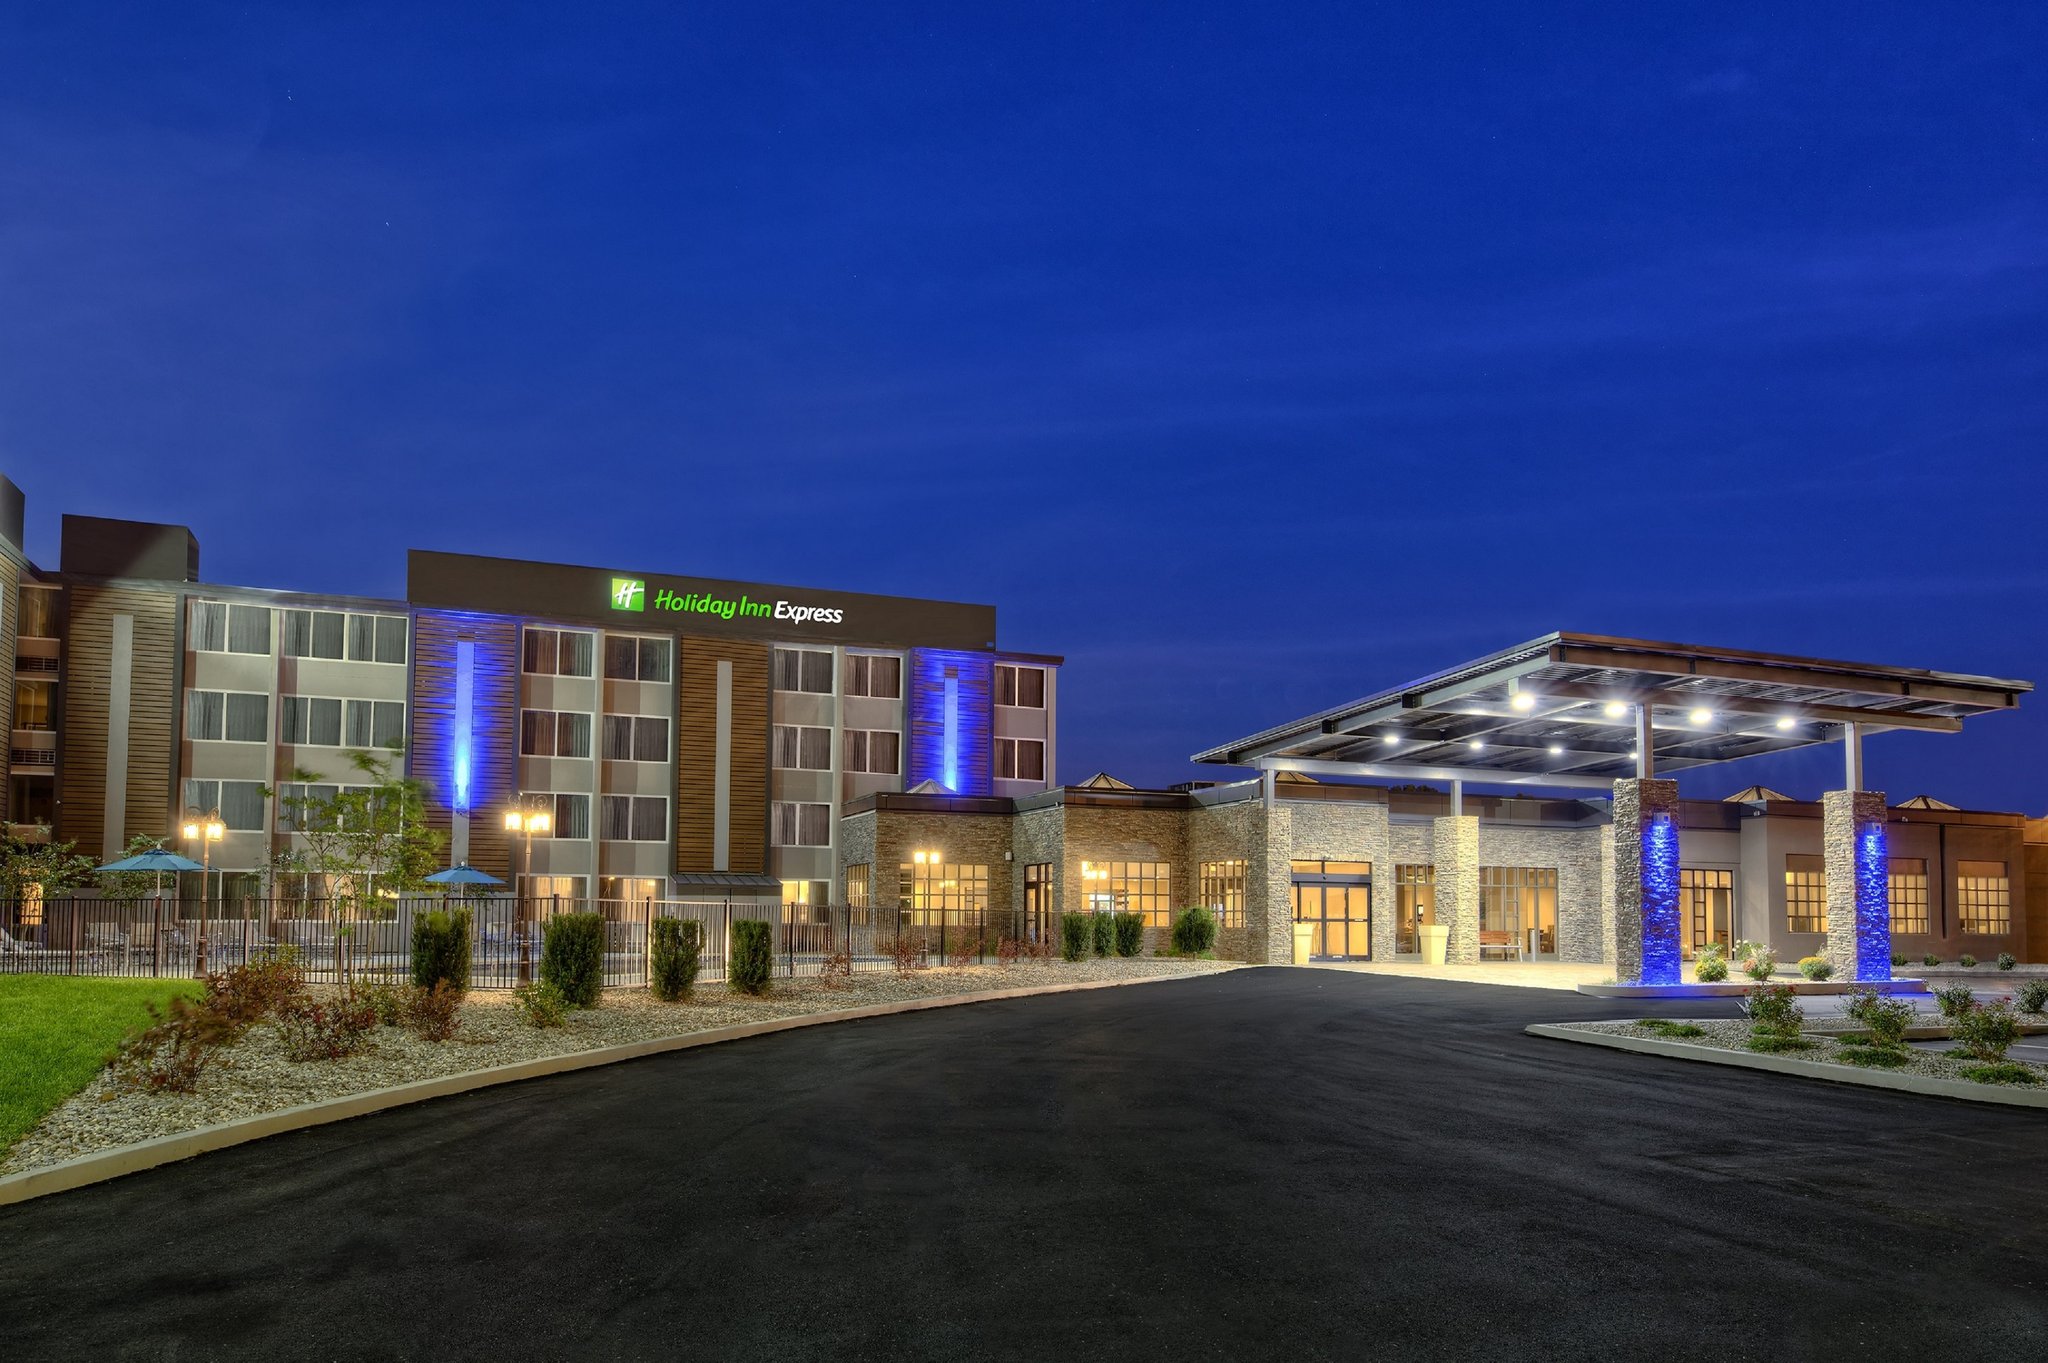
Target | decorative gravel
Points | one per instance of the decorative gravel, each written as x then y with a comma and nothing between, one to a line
1733,1035
254,1076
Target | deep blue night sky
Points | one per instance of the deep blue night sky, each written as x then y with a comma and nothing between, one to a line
1252,357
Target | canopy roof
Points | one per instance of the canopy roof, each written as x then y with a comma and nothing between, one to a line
1561,711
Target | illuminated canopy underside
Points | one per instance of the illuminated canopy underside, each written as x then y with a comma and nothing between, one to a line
1561,711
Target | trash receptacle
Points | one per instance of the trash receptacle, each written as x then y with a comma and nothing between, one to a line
1436,943
1304,938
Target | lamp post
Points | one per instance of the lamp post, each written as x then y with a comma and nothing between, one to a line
525,819
931,859
206,830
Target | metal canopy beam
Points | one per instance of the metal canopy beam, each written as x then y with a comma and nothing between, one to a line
1786,674
1872,718
1406,771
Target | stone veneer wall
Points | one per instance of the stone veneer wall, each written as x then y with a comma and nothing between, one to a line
1576,856
965,840
1102,833
1636,803
856,848
1859,943
1036,839
1454,848
1321,831
1225,832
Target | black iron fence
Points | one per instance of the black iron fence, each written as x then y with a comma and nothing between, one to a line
342,940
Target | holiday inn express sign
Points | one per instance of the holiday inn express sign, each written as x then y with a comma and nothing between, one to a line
689,605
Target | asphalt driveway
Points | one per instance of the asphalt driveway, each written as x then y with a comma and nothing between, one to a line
1270,1163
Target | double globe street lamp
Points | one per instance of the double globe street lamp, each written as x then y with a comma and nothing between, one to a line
526,819
206,830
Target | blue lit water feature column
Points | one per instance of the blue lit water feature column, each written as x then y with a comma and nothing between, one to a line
1857,854
1646,927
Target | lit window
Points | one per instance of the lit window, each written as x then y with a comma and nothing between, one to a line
1983,898
1222,889
1806,894
1141,887
937,894
1907,881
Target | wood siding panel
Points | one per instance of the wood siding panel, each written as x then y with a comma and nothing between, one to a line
494,727
697,754
10,626
152,714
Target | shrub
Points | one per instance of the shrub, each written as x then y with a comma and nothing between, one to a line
1898,959
1885,1016
572,957
2004,1072
673,958
1758,960
326,1031
540,1004
387,1001
2031,996
1008,950
1130,933
1774,1011
753,956
1930,959
1194,931
1967,961
172,1053
1711,965
905,953
1665,1027
1952,999
1985,1031
2006,960
1102,927
1815,967
433,1014
440,949
836,970
1076,932
962,947
1860,1054
242,996
1771,1043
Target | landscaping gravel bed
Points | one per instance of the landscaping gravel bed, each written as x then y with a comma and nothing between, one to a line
1733,1035
254,1076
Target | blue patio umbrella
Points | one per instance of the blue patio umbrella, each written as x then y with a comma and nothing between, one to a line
462,873
155,859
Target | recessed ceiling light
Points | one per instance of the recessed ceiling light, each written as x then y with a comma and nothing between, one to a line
1390,739
1557,750
1633,753
1785,722
1475,745
1523,700
1614,709
1700,716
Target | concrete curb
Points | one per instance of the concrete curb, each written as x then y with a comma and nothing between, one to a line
1961,1089
102,1165
1731,989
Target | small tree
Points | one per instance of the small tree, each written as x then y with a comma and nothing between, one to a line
129,887
40,869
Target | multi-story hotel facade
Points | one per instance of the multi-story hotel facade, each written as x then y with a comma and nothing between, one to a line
688,736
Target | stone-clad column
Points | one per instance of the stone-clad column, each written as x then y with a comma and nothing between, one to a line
1607,897
1859,884
1646,935
1456,854
1269,892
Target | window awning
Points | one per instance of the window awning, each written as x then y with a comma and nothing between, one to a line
1562,711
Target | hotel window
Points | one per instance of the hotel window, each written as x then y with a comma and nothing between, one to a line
558,652
934,894
1806,893
228,716
1140,887
876,751
635,818
32,705
857,892
1983,898
376,638
1020,759
631,659
629,889
873,674
217,627
572,816
1907,880
635,738
802,825
314,634
293,799
314,721
1706,907
375,723
38,613
806,901
802,747
551,887
1041,922
1414,903
554,733
803,669
240,802
1020,687
1522,902
1222,886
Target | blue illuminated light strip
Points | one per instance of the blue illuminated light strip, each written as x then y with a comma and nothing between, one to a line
1660,901
951,742
465,723
1873,904
950,718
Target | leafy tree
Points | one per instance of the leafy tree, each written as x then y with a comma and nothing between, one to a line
46,866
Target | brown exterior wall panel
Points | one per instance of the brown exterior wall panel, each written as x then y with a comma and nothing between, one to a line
697,755
152,714
494,728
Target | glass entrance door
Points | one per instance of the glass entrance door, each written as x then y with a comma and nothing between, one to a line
1337,907
1706,902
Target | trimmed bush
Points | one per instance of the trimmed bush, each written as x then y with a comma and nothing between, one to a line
1076,933
2004,1072
2006,960
753,956
1953,1000
1930,959
1986,1031
1194,931
243,995
672,961
541,1005
1774,1012
2031,996
1103,931
171,1054
572,957
1885,1057
440,949
434,1014
326,1031
1899,959
1665,1027
1967,961
1711,965
1130,933
1885,1016
1758,960
1815,967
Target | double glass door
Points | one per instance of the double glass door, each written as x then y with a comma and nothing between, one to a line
1335,900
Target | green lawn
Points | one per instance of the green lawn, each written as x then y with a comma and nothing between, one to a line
56,1032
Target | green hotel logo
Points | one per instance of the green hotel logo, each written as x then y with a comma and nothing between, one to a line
629,594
